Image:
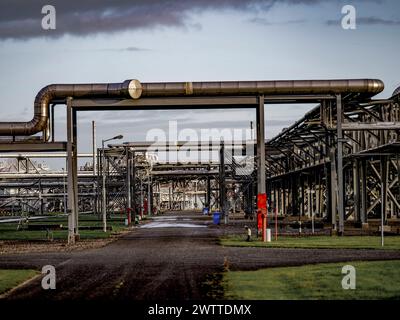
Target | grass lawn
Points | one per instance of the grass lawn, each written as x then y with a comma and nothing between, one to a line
8,231
374,280
11,278
350,242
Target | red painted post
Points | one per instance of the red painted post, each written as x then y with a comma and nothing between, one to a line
128,210
262,208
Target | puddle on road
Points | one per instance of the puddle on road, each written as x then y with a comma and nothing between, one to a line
165,223
152,225
165,219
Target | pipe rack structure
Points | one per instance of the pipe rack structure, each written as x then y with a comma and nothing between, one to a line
309,176
132,176
334,98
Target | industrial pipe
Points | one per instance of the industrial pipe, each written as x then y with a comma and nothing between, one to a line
368,87
134,89
127,89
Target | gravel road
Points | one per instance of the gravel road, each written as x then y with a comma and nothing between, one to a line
171,258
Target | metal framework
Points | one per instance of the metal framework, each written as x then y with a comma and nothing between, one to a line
311,169
173,186
340,162
30,187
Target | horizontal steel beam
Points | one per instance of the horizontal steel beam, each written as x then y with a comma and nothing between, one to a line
15,175
166,103
43,195
32,147
185,173
297,99
43,155
371,126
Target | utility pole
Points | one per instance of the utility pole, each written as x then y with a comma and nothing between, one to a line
65,192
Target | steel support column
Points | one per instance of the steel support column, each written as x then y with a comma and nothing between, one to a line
260,146
333,189
340,141
363,191
261,183
72,174
222,192
384,189
94,155
208,193
149,196
128,180
170,196
75,163
356,190
133,185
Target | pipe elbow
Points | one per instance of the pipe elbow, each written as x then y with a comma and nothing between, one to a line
46,92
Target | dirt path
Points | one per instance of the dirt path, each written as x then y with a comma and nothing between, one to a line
169,261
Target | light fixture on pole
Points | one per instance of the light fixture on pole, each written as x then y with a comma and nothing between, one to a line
104,180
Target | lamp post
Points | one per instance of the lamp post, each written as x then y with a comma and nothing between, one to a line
65,192
104,180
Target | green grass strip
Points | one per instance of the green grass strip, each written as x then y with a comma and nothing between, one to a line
11,278
374,280
317,242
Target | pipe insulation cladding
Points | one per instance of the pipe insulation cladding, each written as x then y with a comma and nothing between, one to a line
135,90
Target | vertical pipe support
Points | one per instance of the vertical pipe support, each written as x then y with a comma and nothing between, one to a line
222,195
261,185
340,141
384,189
75,172
71,174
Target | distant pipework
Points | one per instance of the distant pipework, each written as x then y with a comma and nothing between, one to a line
135,90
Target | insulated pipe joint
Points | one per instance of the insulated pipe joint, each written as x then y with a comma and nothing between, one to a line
134,88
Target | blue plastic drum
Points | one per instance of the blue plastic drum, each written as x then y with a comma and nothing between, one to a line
216,217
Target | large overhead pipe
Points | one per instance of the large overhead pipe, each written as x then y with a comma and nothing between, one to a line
134,89
367,87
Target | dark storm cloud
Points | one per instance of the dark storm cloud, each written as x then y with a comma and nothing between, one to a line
21,19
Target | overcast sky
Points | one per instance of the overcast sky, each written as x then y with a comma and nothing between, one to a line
157,40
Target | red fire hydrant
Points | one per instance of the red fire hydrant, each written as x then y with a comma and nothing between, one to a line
128,213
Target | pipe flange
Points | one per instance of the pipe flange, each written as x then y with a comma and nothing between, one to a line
135,89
